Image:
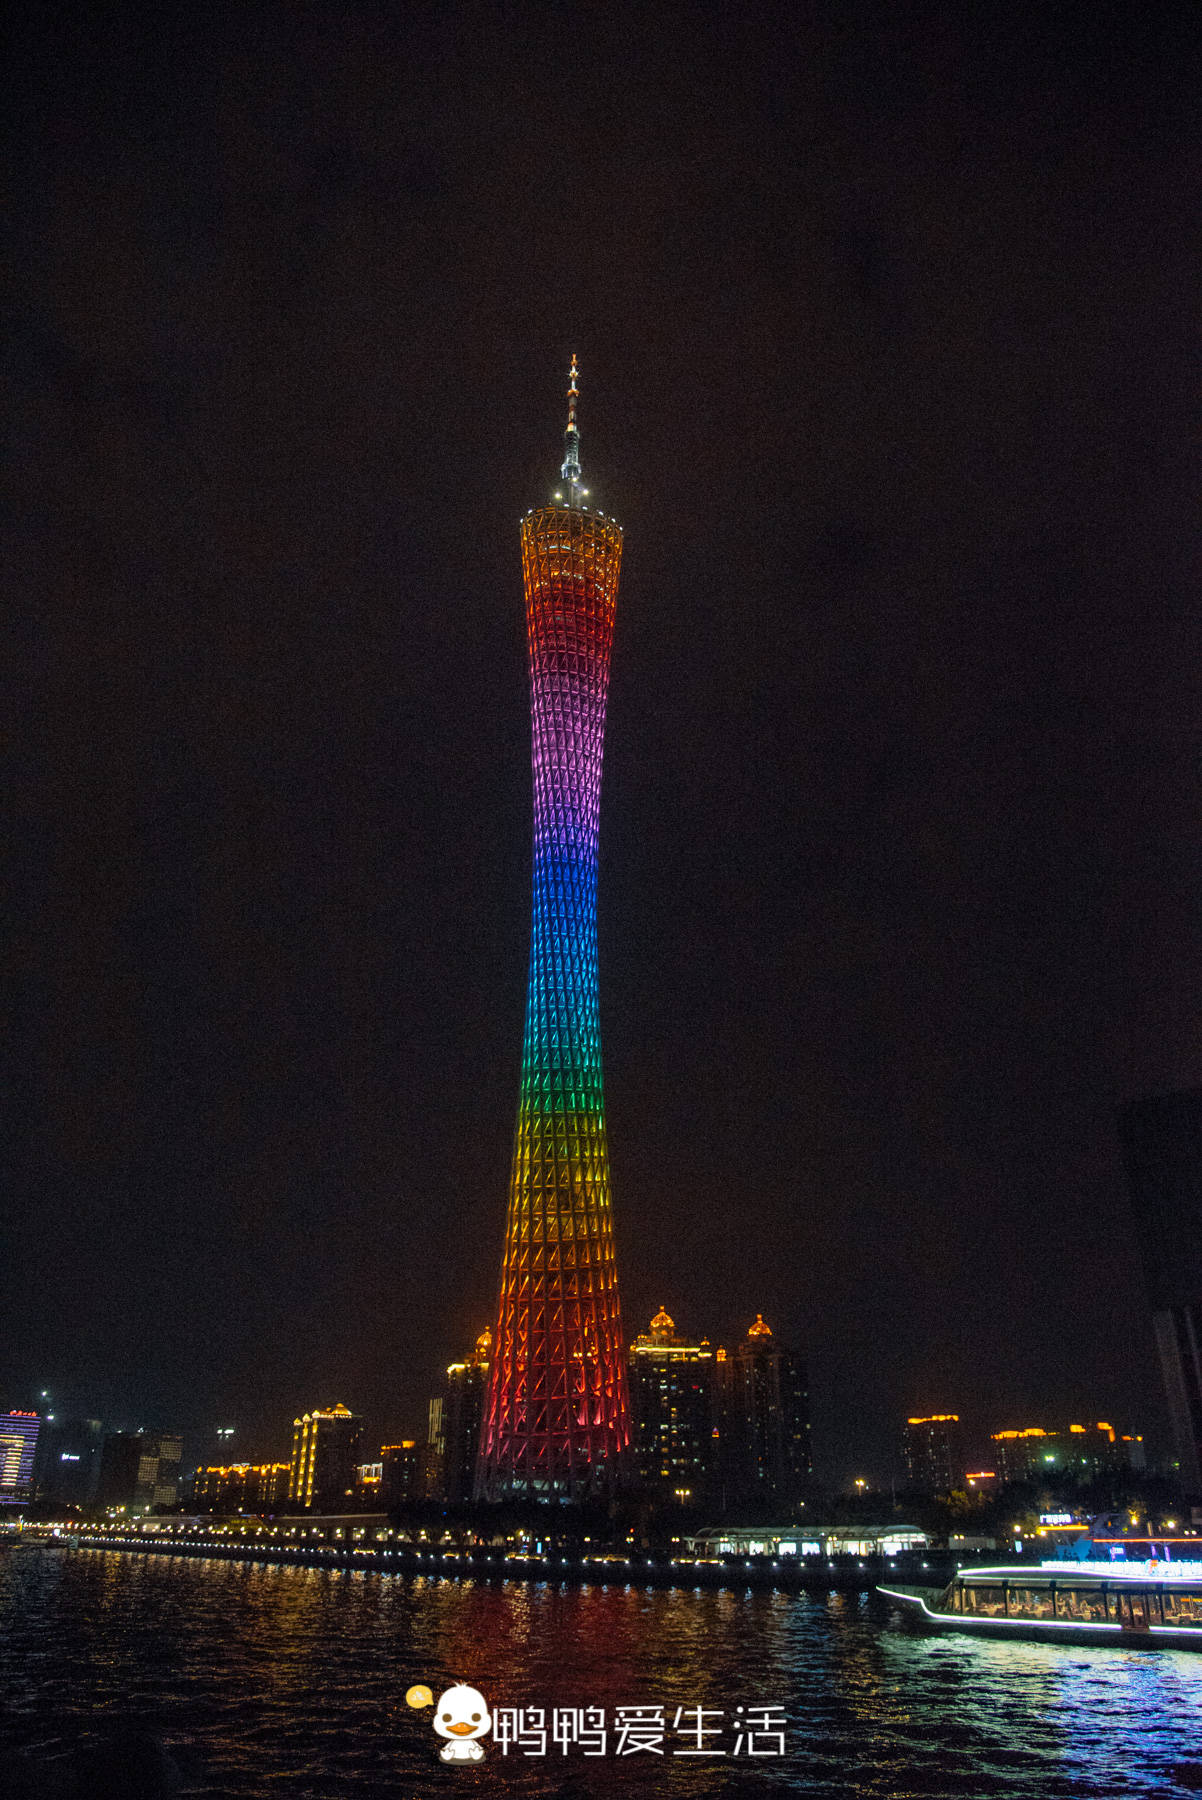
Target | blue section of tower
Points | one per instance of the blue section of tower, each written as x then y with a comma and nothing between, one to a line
562,1049
571,624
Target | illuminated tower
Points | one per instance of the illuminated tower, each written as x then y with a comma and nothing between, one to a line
556,1421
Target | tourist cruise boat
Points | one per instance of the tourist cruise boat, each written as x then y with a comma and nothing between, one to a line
1154,1603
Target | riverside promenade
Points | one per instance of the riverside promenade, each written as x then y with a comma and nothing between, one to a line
392,1556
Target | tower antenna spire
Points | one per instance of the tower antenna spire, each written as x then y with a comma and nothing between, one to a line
571,472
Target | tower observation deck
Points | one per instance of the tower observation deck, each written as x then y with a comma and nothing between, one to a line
556,1418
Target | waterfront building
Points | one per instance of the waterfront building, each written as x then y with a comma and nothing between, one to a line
1162,1153
242,1487
325,1454
211,1488
672,1411
806,1540
400,1473
934,1454
462,1415
68,1462
763,1423
557,1422
18,1449
267,1487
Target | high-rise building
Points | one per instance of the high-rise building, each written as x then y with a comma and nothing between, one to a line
18,1448
157,1481
68,1462
1015,1453
139,1470
763,1422
400,1473
325,1456
934,1453
434,1456
118,1476
672,1410
557,1419
1162,1152
436,1434
462,1414
1032,1453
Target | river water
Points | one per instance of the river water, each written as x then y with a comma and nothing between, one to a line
277,1681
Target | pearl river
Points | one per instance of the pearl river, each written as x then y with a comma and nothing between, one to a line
221,1673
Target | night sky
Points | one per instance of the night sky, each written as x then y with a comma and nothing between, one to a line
887,323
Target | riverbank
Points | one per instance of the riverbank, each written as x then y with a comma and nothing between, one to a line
788,1574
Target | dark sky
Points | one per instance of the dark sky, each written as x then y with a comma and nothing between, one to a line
887,319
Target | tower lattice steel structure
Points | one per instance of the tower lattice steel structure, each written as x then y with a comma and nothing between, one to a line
557,1417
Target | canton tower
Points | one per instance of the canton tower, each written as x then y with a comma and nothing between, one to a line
557,1418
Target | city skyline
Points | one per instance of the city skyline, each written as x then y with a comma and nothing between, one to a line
887,912
451,1416
892,367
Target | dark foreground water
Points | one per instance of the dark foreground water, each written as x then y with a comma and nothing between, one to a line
276,1681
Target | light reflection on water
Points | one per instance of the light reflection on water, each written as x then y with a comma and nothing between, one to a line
292,1681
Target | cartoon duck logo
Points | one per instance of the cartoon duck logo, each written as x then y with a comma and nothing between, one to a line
461,1717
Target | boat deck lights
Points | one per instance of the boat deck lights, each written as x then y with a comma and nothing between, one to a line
1155,1568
